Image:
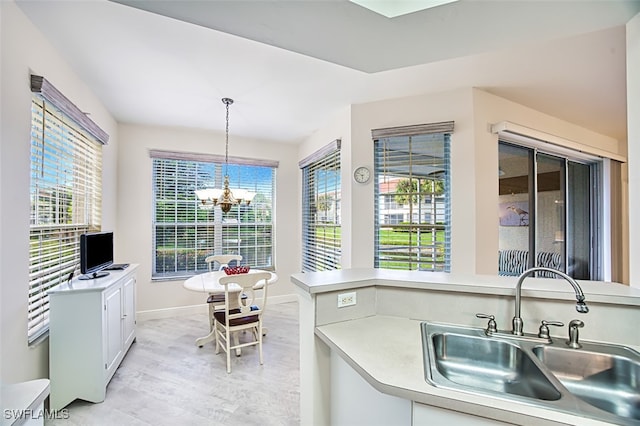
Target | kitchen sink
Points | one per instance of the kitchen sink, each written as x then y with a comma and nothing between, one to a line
605,376
492,365
597,381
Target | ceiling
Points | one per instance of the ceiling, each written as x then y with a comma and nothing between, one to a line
291,66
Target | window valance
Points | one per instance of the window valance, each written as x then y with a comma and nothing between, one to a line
49,93
330,148
414,129
211,158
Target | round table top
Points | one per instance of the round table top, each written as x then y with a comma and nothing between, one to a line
208,282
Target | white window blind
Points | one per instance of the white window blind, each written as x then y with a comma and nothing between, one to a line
184,234
66,201
412,208
321,193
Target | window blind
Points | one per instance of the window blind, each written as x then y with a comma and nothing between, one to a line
66,201
184,234
412,207
321,193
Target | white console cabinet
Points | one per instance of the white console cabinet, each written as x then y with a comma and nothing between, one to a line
92,324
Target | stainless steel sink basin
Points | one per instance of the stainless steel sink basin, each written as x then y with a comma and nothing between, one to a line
491,365
606,377
597,381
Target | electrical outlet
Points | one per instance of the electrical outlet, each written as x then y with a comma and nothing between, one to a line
346,299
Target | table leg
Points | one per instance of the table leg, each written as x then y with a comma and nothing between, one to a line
212,334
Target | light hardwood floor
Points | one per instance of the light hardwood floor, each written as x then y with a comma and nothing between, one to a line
166,380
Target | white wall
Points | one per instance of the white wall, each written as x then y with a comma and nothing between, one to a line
633,124
433,108
134,241
338,127
474,165
24,50
489,109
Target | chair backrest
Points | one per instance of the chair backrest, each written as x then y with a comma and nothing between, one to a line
253,285
222,260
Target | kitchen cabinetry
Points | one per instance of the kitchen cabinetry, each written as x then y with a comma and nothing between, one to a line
91,328
356,402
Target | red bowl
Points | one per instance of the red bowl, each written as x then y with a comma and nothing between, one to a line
235,270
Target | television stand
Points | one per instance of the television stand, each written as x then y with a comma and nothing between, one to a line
92,325
93,276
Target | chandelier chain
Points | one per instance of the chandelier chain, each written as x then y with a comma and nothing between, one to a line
225,198
227,102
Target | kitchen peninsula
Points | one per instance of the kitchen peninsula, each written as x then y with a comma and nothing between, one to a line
363,362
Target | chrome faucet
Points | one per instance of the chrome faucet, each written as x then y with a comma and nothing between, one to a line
581,305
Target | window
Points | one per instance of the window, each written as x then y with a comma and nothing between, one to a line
412,217
549,205
65,193
185,233
321,232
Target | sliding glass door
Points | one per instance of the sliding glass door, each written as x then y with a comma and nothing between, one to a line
583,192
548,208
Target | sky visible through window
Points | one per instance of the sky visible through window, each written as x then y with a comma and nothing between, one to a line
254,178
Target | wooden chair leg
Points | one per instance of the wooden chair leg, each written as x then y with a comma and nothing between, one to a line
260,342
236,342
228,351
217,339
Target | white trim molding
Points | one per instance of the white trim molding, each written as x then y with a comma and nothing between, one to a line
558,142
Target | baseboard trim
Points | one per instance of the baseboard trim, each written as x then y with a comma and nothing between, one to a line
200,309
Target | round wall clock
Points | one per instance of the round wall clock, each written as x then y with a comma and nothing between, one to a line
362,174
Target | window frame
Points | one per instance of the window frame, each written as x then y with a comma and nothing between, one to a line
66,158
214,226
439,250
322,168
568,156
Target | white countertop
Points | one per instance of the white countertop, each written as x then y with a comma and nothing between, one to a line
387,350
596,291
387,353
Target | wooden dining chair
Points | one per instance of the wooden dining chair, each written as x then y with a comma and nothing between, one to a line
222,260
217,262
239,315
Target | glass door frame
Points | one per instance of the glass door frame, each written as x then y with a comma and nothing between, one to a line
597,237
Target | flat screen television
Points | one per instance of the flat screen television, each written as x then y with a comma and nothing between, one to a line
96,253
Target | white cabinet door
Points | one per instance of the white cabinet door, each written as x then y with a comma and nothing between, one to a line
129,306
113,328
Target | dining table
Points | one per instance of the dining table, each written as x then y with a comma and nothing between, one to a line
209,283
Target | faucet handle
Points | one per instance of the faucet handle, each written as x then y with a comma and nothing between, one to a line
492,327
543,332
574,334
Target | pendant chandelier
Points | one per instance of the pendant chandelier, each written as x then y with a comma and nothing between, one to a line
225,197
